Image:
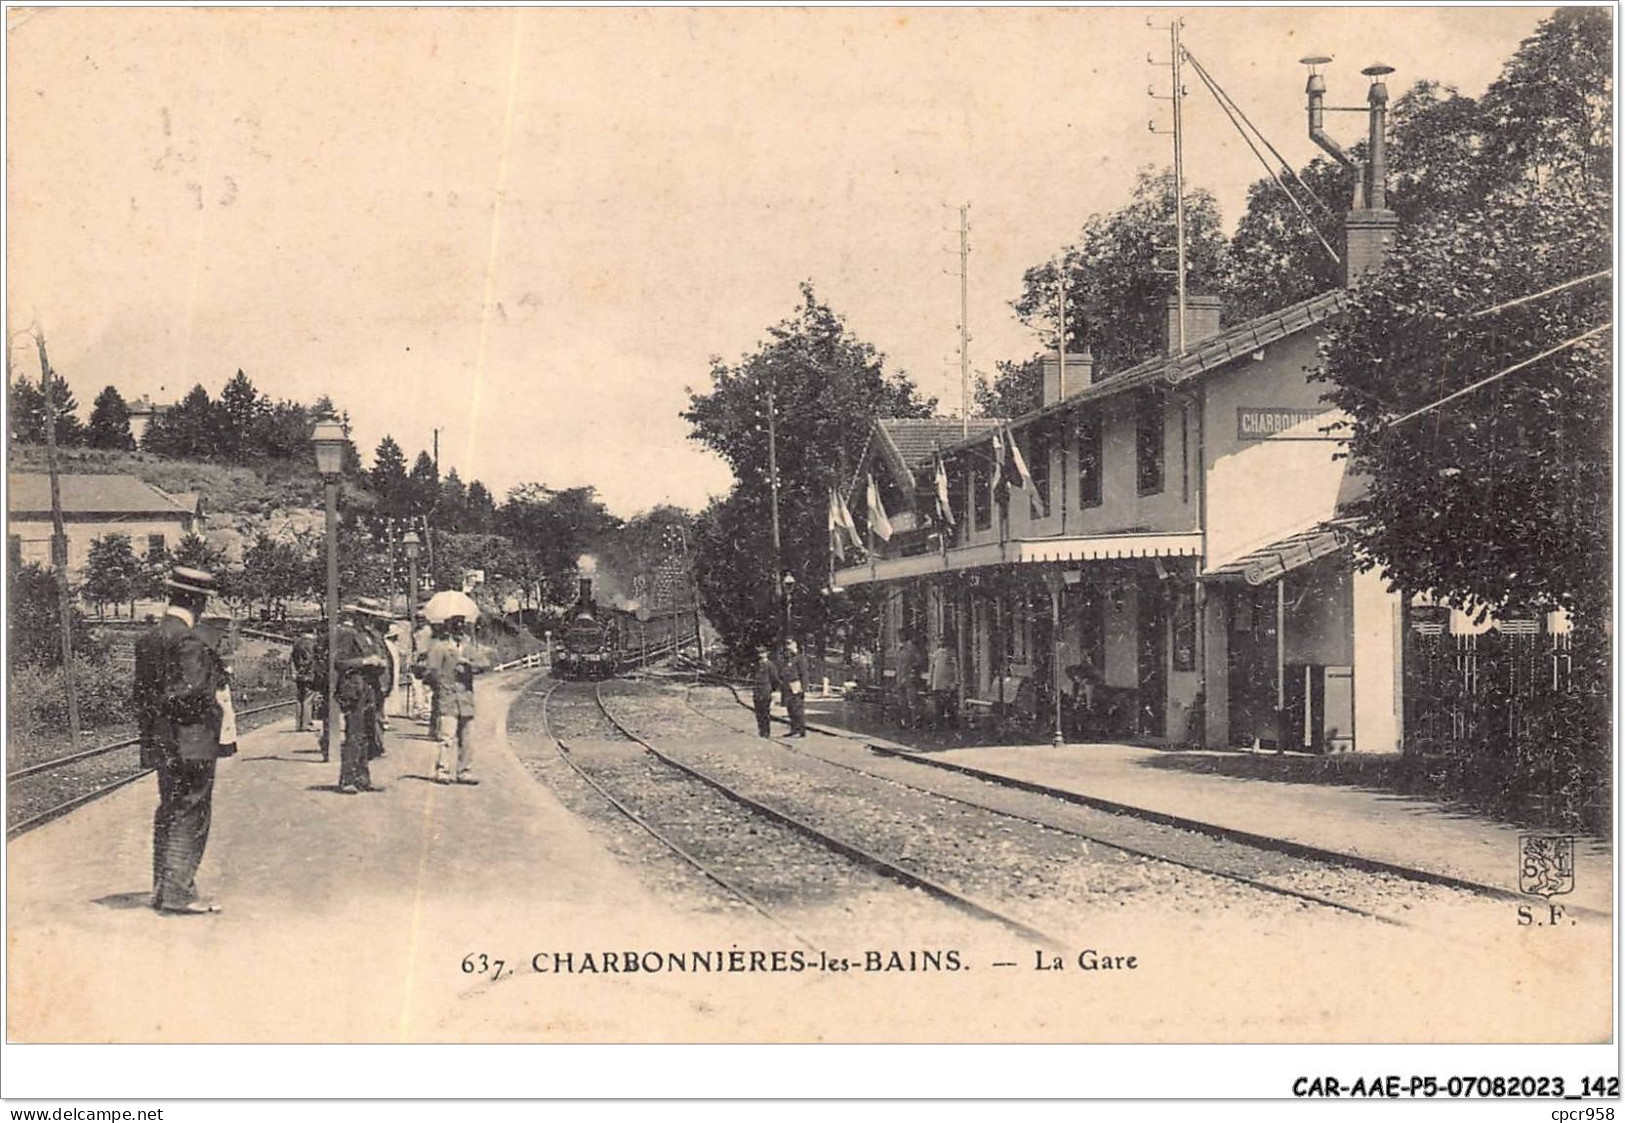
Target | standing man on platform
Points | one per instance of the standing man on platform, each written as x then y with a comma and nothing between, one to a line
177,681
360,661
761,694
449,667
303,659
795,687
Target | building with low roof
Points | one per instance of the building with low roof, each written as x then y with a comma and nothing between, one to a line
93,506
1176,570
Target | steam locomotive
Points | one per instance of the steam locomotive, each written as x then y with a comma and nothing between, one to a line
591,646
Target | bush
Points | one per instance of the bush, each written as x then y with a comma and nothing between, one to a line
35,629
39,699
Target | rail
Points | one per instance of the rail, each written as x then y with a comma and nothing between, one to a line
83,798
127,743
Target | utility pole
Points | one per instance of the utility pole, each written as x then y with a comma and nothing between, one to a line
59,543
773,479
436,432
1176,63
964,320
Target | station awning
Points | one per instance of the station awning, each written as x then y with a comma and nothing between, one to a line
1026,551
1258,567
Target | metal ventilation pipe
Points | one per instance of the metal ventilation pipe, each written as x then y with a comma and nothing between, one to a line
1376,188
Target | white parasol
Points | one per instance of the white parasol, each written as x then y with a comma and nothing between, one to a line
448,603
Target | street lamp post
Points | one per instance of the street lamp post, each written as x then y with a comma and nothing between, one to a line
412,543
328,440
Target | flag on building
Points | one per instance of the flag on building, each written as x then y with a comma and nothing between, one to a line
1015,465
998,459
878,522
1021,478
842,529
945,507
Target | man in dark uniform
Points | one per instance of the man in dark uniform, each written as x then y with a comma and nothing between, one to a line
761,696
177,679
303,659
794,678
358,663
371,615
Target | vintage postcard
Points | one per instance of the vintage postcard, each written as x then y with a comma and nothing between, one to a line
1080,526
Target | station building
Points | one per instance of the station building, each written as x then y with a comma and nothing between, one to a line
1180,550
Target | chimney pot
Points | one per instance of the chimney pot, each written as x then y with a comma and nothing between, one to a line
1080,373
1202,313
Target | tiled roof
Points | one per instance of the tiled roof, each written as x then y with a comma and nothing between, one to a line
29,494
915,440
1208,355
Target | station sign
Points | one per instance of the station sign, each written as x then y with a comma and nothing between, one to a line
1257,423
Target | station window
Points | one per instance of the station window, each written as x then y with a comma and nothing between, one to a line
1038,443
155,545
1148,466
14,550
981,487
1089,461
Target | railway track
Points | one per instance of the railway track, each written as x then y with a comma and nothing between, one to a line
1231,853
47,768
780,841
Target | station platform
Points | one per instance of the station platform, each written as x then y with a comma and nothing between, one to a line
1189,788
345,918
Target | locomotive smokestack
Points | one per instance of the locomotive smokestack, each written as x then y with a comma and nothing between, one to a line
585,594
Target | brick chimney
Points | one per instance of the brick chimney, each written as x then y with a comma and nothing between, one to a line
1201,321
1368,231
1080,372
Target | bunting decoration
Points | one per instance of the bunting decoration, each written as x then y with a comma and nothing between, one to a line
945,507
842,529
879,524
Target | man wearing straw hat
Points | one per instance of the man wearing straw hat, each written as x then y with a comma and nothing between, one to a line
178,679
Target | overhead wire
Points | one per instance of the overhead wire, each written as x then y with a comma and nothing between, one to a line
1543,293
1293,199
1286,167
1514,368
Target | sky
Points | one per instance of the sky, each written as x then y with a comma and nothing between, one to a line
532,229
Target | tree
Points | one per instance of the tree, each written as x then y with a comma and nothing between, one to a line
1015,389
551,530
34,619
482,509
26,407
1276,257
828,388
194,551
241,412
423,488
190,430
110,422
112,573
28,411
1551,110
389,480
451,505
1499,497
1118,275
283,432
273,571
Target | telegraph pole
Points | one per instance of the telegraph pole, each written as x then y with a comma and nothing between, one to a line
1176,63
773,479
964,320
59,543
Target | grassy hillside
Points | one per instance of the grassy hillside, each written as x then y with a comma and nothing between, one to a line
226,489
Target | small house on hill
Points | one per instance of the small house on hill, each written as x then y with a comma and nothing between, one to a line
92,507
